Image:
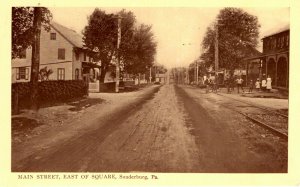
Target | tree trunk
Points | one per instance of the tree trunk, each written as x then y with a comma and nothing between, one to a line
139,79
102,74
16,101
35,60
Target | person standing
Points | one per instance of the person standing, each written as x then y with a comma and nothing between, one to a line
239,82
269,83
206,82
264,84
227,82
257,85
251,86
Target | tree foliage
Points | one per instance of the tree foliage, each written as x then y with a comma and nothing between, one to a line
238,34
45,73
101,34
140,55
22,27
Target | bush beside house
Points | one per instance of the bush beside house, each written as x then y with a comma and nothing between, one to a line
49,92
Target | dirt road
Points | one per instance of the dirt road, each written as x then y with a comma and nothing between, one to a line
173,129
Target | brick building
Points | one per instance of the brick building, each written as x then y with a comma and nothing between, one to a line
274,60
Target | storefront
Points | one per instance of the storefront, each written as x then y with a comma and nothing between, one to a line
273,62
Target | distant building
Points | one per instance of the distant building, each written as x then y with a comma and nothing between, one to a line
161,78
274,60
62,51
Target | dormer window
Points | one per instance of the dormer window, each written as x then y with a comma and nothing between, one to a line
52,36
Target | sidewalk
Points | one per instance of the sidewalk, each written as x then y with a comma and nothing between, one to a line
274,99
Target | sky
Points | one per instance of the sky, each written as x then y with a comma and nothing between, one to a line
178,31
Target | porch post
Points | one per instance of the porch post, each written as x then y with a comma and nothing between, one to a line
267,66
276,74
99,79
247,66
287,69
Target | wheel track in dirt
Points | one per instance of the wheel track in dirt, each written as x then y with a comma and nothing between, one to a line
58,158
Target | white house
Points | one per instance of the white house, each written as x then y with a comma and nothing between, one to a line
62,51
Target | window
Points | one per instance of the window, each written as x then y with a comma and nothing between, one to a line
270,43
274,43
76,74
282,42
22,73
267,44
52,36
61,53
60,74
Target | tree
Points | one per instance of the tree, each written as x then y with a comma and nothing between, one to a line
141,51
101,34
22,27
137,47
35,59
238,35
26,30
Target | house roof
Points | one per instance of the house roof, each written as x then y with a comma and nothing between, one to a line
253,51
70,35
277,31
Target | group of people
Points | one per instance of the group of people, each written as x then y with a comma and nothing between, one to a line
264,85
211,84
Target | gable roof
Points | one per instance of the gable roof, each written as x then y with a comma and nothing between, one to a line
70,35
253,51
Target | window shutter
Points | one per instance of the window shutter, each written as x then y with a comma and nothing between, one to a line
17,74
27,73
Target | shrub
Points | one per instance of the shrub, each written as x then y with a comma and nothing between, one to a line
50,91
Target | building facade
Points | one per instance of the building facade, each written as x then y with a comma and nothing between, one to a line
62,52
274,60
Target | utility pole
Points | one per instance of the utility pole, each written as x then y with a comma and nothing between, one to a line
118,55
150,77
188,74
197,73
217,48
35,59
